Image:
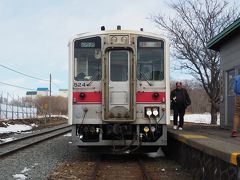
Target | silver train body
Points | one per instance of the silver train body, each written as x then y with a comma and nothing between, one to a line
119,89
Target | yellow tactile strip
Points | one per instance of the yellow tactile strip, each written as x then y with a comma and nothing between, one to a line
185,137
193,136
235,158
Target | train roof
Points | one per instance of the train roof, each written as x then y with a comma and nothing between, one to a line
88,34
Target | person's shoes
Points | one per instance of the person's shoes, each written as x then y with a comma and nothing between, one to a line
234,133
180,129
174,127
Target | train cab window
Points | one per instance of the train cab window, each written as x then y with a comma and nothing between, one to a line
150,59
87,59
119,66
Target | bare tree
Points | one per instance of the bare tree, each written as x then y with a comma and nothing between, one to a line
200,100
59,104
196,22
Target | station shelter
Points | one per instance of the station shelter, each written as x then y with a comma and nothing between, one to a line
227,43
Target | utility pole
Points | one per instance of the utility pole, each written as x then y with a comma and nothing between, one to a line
1,102
50,86
50,94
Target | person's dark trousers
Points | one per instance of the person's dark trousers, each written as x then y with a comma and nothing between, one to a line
178,111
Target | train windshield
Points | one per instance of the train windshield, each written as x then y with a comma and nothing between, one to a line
87,59
150,59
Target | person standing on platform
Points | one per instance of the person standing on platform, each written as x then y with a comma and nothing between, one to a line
180,100
236,117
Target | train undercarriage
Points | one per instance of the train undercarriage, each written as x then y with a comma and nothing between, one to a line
120,137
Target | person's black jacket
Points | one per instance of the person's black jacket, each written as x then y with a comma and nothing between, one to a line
184,96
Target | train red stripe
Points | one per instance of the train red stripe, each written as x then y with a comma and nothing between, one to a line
150,97
141,97
87,97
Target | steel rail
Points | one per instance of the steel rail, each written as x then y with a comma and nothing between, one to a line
146,175
96,168
36,133
32,139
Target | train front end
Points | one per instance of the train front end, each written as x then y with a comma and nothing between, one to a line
119,89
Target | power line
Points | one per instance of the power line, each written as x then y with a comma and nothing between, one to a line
23,73
55,84
28,75
16,86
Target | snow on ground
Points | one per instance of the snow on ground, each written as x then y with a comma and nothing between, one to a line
20,176
40,116
15,128
34,125
62,116
7,139
68,134
25,170
27,132
198,118
195,118
23,174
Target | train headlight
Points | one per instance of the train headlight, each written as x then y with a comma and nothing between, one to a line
97,130
153,129
146,129
155,111
82,95
155,95
149,112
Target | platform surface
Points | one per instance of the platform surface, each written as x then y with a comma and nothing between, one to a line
210,139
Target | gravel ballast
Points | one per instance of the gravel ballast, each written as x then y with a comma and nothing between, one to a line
37,161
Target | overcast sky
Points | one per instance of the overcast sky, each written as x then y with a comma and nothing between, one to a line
34,34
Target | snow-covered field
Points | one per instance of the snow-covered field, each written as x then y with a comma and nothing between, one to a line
198,118
15,128
195,118
39,116
20,128
62,116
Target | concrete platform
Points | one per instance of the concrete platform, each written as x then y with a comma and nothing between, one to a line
210,139
211,143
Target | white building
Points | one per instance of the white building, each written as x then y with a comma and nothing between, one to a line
31,94
42,91
63,92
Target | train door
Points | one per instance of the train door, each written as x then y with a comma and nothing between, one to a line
118,89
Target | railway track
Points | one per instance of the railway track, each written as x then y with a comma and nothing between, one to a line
95,171
10,147
146,175
111,166
136,169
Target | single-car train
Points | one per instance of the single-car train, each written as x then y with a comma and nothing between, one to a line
119,89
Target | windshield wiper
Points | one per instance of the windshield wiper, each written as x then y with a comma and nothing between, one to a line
95,76
145,78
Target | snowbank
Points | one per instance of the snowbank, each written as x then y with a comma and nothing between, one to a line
15,128
198,118
7,139
19,176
